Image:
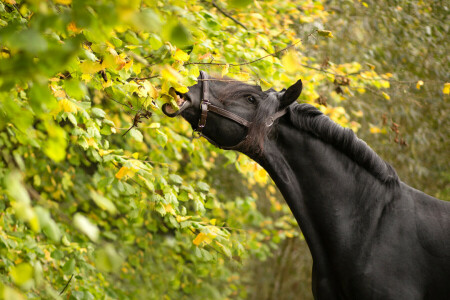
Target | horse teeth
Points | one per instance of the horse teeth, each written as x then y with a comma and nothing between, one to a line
180,100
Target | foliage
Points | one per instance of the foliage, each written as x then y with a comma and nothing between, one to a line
153,213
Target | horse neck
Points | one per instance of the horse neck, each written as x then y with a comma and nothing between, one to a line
333,199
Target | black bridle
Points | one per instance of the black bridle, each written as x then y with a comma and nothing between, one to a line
206,106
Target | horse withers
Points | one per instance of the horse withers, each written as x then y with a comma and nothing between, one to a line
371,236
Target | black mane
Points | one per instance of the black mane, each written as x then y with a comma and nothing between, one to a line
308,118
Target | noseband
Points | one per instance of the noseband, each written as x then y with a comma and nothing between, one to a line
206,106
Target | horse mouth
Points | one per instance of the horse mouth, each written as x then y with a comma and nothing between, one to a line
182,101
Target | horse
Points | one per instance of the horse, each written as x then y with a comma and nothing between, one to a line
371,236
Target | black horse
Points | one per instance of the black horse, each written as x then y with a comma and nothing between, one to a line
371,236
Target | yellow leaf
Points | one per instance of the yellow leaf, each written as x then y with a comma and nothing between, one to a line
213,221
181,55
90,67
125,171
261,176
170,74
86,77
169,209
67,106
104,152
375,130
446,89
72,27
64,2
386,96
181,218
225,70
325,33
290,61
12,2
419,84
199,239
264,84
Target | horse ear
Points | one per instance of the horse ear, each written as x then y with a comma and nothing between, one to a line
291,94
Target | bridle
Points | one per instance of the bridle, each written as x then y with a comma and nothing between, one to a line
206,106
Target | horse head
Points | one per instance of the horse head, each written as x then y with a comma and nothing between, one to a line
232,114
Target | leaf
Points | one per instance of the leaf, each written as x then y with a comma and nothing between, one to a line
202,186
385,96
175,179
290,61
325,33
8,293
98,113
202,238
419,84
180,36
225,70
446,89
375,130
84,225
136,134
64,2
126,172
22,274
107,259
181,55
69,266
103,202
239,3
90,67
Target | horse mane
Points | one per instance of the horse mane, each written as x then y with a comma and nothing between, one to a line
308,118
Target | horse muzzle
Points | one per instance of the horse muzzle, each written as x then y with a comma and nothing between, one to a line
183,102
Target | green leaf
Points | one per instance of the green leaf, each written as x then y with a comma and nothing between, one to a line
175,179
107,259
136,134
69,266
103,202
98,113
22,274
147,20
75,89
202,186
180,36
86,226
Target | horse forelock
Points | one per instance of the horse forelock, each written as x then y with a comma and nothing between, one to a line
258,130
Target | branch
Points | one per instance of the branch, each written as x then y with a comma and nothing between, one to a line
244,63
227,14
66,285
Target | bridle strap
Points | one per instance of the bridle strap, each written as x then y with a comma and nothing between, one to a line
229,115
205,106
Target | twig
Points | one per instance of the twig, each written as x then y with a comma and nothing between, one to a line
228,15
66,285
15,6
111,98
244,63
142,78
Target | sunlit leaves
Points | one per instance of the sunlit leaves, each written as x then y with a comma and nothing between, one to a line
116,210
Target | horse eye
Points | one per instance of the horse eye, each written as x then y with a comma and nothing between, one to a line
251,99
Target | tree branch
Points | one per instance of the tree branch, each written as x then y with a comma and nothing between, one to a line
244,63
228,15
